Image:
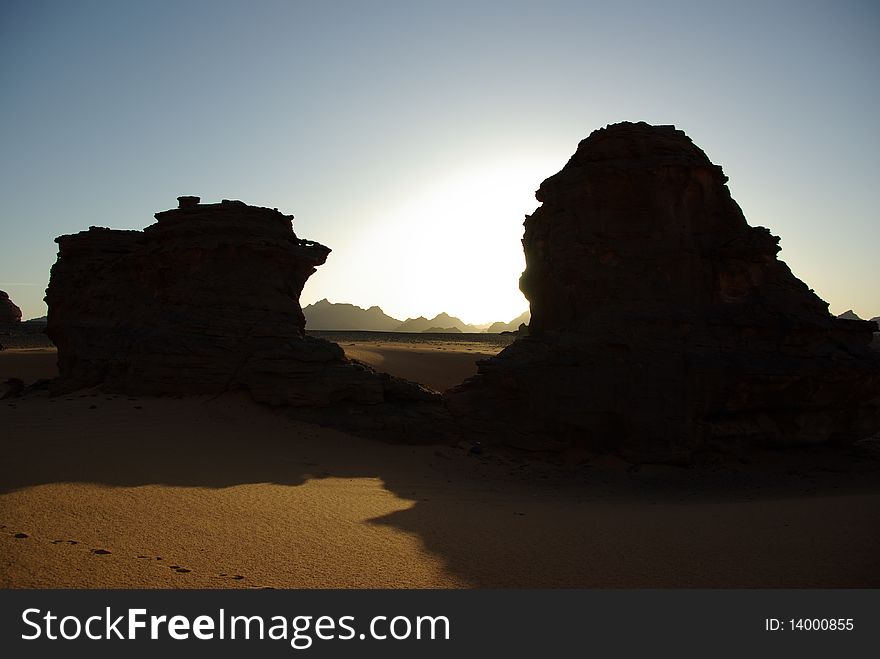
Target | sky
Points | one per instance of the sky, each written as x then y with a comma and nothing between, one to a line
410,136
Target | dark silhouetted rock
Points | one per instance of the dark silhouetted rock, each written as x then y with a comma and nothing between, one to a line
662,323
849,315
9,313
205,300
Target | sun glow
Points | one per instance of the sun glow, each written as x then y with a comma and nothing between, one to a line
452,246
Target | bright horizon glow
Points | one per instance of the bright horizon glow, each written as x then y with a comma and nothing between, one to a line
409,137
454,244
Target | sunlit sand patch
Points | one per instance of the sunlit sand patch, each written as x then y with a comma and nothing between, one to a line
437,365
198,493
316,534
371,357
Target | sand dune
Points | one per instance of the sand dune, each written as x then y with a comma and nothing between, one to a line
114,491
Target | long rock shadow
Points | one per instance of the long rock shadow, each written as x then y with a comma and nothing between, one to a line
809,526
496,521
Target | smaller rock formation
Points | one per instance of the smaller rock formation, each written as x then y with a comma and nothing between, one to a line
205,300
9,313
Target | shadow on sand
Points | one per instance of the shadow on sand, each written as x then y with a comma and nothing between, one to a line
800,519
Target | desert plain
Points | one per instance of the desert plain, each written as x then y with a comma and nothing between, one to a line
99,490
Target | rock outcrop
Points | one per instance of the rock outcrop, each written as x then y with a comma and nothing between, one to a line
9,313
662,323
205,300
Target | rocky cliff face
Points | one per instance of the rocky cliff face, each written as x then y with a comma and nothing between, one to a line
203,301
662,323
9,313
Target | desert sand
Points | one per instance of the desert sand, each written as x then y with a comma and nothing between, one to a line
440,365
108,491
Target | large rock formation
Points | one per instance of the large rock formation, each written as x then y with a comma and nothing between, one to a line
205,300
662,323
9,313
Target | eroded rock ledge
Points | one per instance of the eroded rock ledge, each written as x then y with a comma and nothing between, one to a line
206,300
662,323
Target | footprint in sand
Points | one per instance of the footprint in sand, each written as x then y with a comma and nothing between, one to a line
20,535
101,552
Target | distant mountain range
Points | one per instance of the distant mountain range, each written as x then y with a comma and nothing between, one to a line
326,315
439,323
523,319
851,315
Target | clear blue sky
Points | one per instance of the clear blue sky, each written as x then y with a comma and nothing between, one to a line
410,136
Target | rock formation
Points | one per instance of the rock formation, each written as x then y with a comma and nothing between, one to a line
662,323
9,313
205,300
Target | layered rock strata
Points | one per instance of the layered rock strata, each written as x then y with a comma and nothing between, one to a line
662,323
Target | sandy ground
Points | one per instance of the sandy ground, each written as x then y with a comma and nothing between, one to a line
28,364
102,491
440,366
